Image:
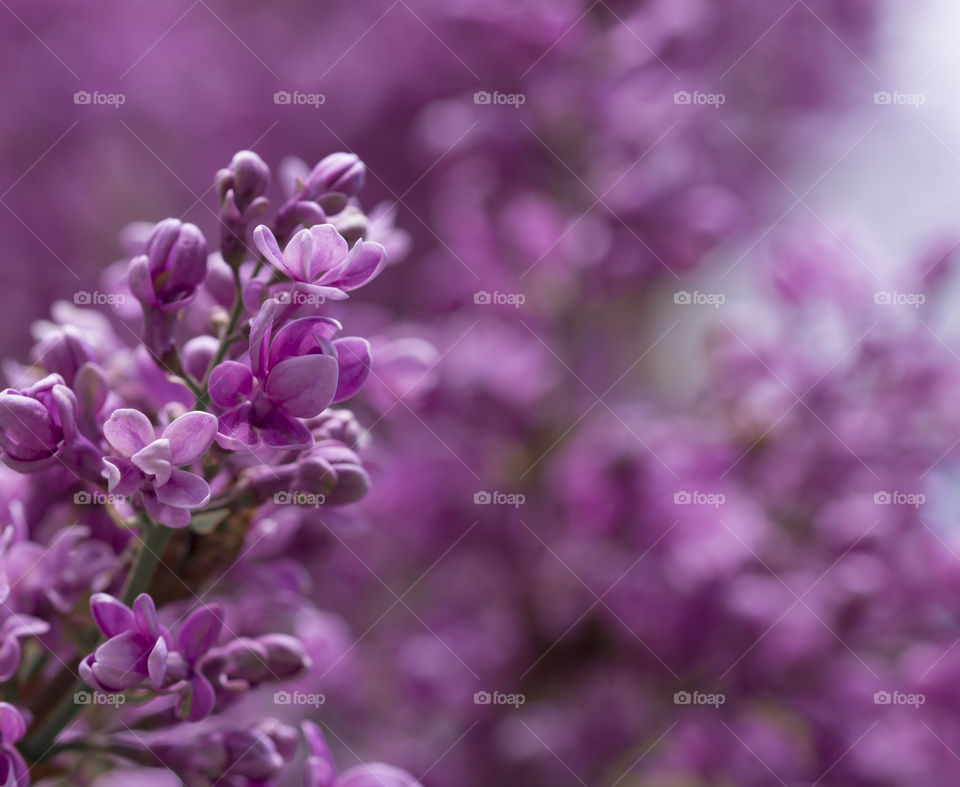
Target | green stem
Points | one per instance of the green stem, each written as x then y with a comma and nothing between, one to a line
228,335
155,540
40,744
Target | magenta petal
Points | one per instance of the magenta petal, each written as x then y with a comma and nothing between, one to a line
190,436
154,460
364,264
26,422
140,282
353,358
301,337
202,698
12,724
183,490
10,653
128,431
230,384
303,386
320,770
164,514
266,244
200,631
111,615
145,613
123,476
121,661
260,329
281,431
235,430
157,662
328,252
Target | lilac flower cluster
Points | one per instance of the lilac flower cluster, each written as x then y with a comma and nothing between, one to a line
163,449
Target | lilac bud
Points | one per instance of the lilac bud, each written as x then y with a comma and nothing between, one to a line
295,216
36,423
197,354
252,754
286,656
284,737
248,176
63,351
174,265
342,172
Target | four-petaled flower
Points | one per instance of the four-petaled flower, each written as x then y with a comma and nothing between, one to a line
320,262
147,463
136,649
292,374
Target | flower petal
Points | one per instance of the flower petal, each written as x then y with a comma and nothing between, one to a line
302,337
190,436
200,631
12,724
235,430
364,264
281,431
164,514
267,245
154,460
202,698
111,615
303,386
123,476
184,490
145,613
328,252
157,662
353,359
230,384
128,431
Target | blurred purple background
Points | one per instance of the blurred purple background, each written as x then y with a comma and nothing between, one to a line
722,372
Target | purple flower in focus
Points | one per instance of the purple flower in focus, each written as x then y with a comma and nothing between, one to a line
137,648
293,374
320,260
13,726
147,463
